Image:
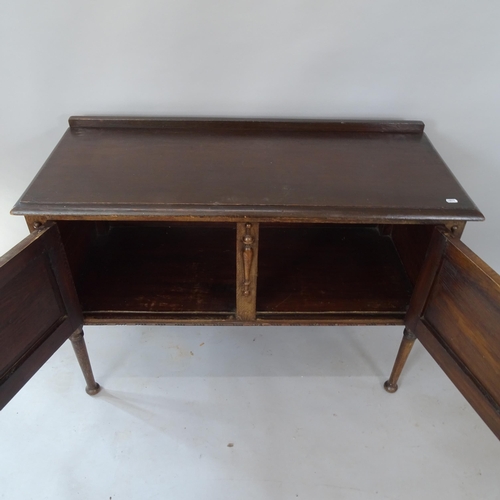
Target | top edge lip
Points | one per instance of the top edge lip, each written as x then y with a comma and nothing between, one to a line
299,124
207,211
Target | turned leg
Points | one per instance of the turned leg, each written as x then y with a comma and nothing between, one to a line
82,355
391,385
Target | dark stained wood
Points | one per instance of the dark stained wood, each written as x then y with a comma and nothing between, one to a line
315,215
412,243
250,222
425,280
168,268
333,318
464,307
82,356
247,245
38,307
455,313
349,172
235,124
158,318
329,269
462,377
77,239
391,385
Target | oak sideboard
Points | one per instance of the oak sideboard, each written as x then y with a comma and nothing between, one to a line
250,222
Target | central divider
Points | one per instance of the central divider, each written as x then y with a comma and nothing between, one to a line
247,249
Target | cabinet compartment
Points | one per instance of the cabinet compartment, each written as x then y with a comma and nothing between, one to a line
186,272
144,270
326,269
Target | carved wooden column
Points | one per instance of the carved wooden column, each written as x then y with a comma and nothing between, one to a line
247,245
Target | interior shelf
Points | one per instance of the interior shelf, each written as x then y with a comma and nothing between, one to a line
160,269
330,269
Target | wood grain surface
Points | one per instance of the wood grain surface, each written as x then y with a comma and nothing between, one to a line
121,167
39,308
455,313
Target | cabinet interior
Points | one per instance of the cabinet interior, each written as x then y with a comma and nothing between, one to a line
329,269
129,269
135,271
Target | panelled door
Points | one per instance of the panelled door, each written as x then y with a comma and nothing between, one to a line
39,307
455,313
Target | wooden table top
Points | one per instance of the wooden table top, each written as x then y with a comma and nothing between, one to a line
348,171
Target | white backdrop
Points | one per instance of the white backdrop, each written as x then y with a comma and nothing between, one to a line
434,60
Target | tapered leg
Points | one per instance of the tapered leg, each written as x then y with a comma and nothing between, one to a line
82,355
391,385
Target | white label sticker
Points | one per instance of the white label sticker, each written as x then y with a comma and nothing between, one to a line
451,200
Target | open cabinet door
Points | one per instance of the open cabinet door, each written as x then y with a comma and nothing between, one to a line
39,307
455,313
